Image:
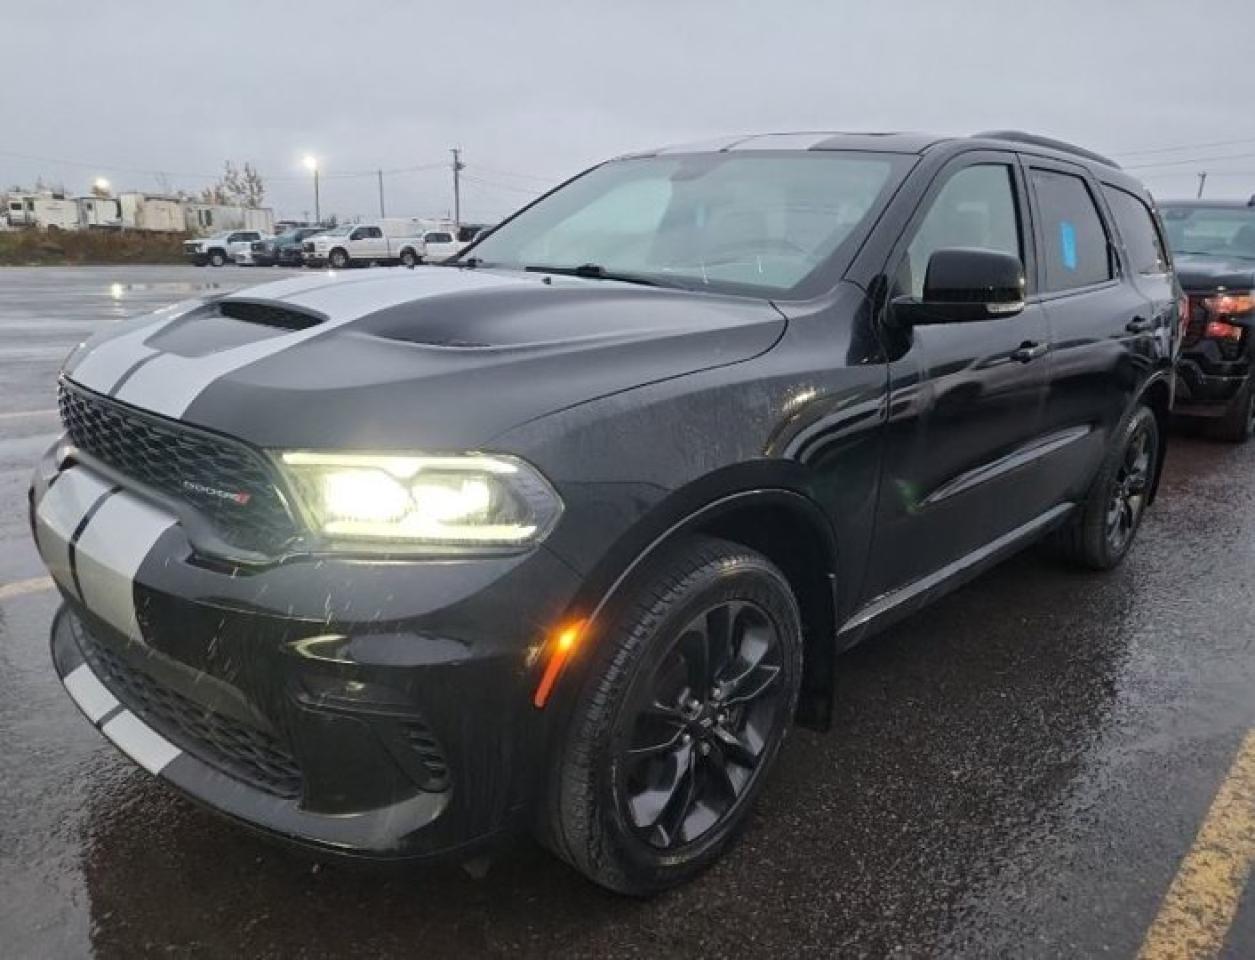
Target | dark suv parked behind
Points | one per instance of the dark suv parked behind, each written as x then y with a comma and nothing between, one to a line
1214,246
567,533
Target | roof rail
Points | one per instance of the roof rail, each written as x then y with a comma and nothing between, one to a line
1019,136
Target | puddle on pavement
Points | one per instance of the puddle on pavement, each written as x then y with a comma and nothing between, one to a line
119,290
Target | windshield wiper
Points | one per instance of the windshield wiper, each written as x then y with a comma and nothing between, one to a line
595,271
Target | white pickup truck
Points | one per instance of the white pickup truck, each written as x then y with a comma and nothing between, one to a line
374,241
221,248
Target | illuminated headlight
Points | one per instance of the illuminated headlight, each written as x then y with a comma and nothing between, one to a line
387,502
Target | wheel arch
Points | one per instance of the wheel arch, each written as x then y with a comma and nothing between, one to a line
772,516
1156,394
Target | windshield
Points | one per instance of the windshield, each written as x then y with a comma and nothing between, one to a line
1212,231
747,222
339,231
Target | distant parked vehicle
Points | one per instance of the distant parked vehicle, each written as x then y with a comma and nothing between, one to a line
373,241
282,250
445,243
1213,245
221,248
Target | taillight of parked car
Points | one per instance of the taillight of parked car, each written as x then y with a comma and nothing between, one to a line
1218,312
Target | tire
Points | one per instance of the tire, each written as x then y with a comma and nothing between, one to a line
217,258
408,259
338,259
620,804
1118,496
1238,423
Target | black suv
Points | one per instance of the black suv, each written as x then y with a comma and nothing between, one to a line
285,249
1213,242
567,533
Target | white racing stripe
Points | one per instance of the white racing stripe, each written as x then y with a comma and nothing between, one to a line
140,742
109,552
169,384
89,693
102,366
58,515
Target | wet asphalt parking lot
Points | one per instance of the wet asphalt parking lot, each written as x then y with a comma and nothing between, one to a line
1021,771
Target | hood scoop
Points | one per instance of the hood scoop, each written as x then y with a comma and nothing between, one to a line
276,315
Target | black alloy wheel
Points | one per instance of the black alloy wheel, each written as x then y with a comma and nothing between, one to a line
695,739
680,702
1130,487
1100,532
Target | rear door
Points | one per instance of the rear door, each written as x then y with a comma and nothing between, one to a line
1102,321
966,399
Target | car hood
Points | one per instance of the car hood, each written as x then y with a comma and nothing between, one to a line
1201,273
434,358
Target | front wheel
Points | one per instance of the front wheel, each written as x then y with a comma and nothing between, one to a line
338,259
687,697
1112,512
408,258
217,259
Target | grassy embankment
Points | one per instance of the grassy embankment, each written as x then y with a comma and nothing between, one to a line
21,248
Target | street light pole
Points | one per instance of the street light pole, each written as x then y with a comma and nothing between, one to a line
311,164
457,191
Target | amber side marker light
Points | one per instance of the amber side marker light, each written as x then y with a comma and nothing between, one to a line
561,647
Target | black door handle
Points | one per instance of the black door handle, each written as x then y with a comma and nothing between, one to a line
1138,325
1029,351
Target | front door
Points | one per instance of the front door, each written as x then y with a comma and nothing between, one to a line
966,400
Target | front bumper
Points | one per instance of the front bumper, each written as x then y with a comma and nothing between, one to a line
195,257
367,708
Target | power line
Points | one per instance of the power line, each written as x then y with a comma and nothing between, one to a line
529,191
520,176
1184,146
1189,160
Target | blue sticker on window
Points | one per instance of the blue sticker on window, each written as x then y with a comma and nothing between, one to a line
1067,244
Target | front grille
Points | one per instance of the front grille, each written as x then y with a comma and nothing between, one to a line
307,247
228,483
237,749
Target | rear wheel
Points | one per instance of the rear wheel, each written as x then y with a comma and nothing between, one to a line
408,258
1110,516
687,699
217,258
1238,423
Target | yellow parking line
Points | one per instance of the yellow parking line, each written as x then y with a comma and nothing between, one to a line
17,414
22,587
1199,907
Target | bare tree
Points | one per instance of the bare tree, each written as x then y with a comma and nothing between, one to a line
240,187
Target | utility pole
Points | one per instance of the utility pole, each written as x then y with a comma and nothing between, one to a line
457,190
1202,179
381,213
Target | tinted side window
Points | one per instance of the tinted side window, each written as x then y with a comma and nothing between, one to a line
975,208
1137,229
1074,243
439,238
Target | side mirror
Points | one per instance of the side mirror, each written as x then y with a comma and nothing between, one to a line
963,285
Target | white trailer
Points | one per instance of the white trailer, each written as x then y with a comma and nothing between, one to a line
99,213
44,212
149,211
209,218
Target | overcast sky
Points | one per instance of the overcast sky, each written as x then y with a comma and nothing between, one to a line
147,93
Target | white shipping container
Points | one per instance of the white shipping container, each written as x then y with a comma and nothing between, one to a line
141,211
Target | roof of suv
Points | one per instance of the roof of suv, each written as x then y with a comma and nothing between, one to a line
887,142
